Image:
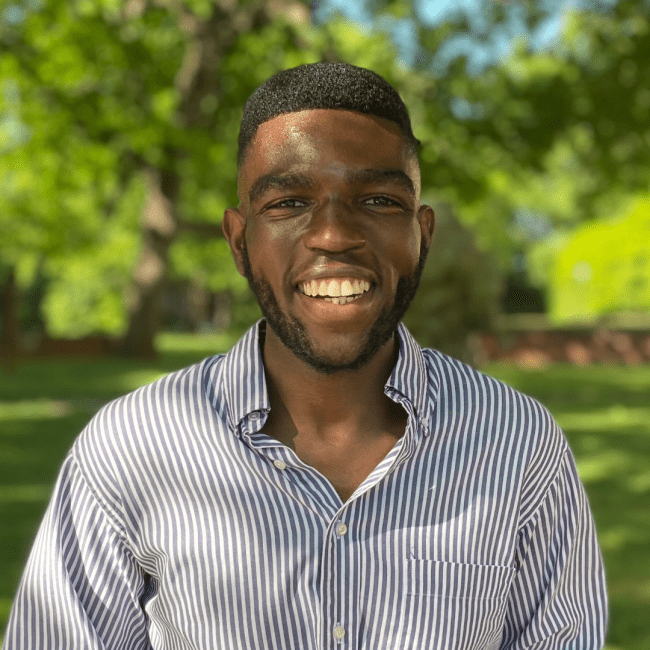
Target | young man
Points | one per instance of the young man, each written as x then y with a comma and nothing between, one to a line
327,483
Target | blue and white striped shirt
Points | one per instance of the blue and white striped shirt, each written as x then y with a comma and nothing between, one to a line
177,523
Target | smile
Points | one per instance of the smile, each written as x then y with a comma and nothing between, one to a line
335,290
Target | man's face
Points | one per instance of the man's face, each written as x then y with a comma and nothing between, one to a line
330,233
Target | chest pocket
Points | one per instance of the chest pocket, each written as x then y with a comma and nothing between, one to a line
455,580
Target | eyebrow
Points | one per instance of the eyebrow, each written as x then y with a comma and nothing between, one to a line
278,181
372,175
359,177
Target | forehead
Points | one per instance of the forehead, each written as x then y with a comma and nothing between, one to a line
325,139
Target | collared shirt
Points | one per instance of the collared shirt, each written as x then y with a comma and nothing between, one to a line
176,523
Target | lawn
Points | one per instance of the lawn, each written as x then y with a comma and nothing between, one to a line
605,412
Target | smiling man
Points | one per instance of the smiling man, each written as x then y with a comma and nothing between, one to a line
327,483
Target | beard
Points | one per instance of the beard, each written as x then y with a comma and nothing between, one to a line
293,334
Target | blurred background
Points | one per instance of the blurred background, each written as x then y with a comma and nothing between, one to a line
118,128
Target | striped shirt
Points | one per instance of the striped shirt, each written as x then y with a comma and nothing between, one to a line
177,523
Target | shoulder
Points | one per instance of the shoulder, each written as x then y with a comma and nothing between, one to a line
471,405
461,385
148,427
145,411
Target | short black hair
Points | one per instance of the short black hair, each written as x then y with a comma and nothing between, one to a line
329,85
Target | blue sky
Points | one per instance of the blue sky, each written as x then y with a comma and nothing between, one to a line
432,12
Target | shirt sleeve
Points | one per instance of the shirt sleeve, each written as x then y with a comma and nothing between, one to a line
558,599
82,587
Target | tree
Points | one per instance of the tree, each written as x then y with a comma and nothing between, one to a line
559,136
120,119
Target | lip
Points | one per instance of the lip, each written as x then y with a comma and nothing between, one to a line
326,272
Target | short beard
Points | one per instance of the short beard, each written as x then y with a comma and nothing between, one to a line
293,334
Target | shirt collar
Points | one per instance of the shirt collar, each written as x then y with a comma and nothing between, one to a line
243,382
410,379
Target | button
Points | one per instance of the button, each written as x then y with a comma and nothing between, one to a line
341,529
254,415
280,464
339,632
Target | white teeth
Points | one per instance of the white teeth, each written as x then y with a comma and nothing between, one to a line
335,289
343,300
346,288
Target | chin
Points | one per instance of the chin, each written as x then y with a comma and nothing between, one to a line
340,356
329,362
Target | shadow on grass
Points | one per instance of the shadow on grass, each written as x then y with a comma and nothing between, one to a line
31,452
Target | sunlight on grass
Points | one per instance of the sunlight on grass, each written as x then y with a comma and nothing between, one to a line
206,344
640,482
618,537
34,409
5,608
637,378
599,466
610,418
177,343
24,493
129,381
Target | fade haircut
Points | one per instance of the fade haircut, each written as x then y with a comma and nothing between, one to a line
338,86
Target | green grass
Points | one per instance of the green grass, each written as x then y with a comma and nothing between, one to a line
605,412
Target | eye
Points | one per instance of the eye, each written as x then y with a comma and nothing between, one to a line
381,202
288,203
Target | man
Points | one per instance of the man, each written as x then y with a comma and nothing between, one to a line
327,483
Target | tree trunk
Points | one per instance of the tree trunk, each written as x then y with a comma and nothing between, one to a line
9,337
159,227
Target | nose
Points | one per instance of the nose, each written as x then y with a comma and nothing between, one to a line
334,228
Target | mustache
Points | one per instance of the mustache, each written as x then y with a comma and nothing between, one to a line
322,260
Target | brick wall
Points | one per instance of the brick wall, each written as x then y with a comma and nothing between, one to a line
579,346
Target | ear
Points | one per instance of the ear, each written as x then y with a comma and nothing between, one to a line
234,230
427,220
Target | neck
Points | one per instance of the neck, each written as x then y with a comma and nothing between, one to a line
347,403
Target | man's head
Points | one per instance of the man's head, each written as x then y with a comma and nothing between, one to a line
330,232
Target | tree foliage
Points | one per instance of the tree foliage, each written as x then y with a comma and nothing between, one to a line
601,268
564,134
119,119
